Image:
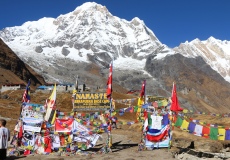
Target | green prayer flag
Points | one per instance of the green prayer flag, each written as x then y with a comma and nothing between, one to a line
179,122
149,119
135,108
214,133
83,147
159,103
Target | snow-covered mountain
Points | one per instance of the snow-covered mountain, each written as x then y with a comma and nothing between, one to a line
89,30
215,52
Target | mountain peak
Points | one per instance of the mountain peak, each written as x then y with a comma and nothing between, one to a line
89,33
136,21
211,39
197,40
91,6
87,5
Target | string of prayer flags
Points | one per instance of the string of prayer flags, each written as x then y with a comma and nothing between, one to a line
125,101
204,113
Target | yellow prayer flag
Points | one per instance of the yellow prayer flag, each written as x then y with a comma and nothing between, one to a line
140,102
184,125
164,102
201,123
50,115
221,133
69,140
185,111
139,110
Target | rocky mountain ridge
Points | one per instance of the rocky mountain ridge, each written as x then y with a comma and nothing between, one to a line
14,70
215,52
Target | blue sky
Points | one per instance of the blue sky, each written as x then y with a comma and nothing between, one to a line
172,21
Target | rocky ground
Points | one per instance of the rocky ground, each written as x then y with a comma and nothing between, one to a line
125,147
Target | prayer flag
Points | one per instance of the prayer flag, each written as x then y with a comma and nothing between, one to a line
221,132
175,104
213,133
184,125
63,125
26,95
206,132
142,93
179,122
51,108
198,130
227,135
165,119
191,127
140,101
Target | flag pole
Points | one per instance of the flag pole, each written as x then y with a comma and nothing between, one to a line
141,145
170,123
109,95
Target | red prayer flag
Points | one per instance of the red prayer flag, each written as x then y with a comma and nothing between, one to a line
206,132
63,125
132,110
48,145
142,93
109,82
175,104
20,133
62,140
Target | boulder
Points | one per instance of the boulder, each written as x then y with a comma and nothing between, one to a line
208,146
181,142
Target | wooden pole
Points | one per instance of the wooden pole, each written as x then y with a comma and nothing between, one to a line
171,132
